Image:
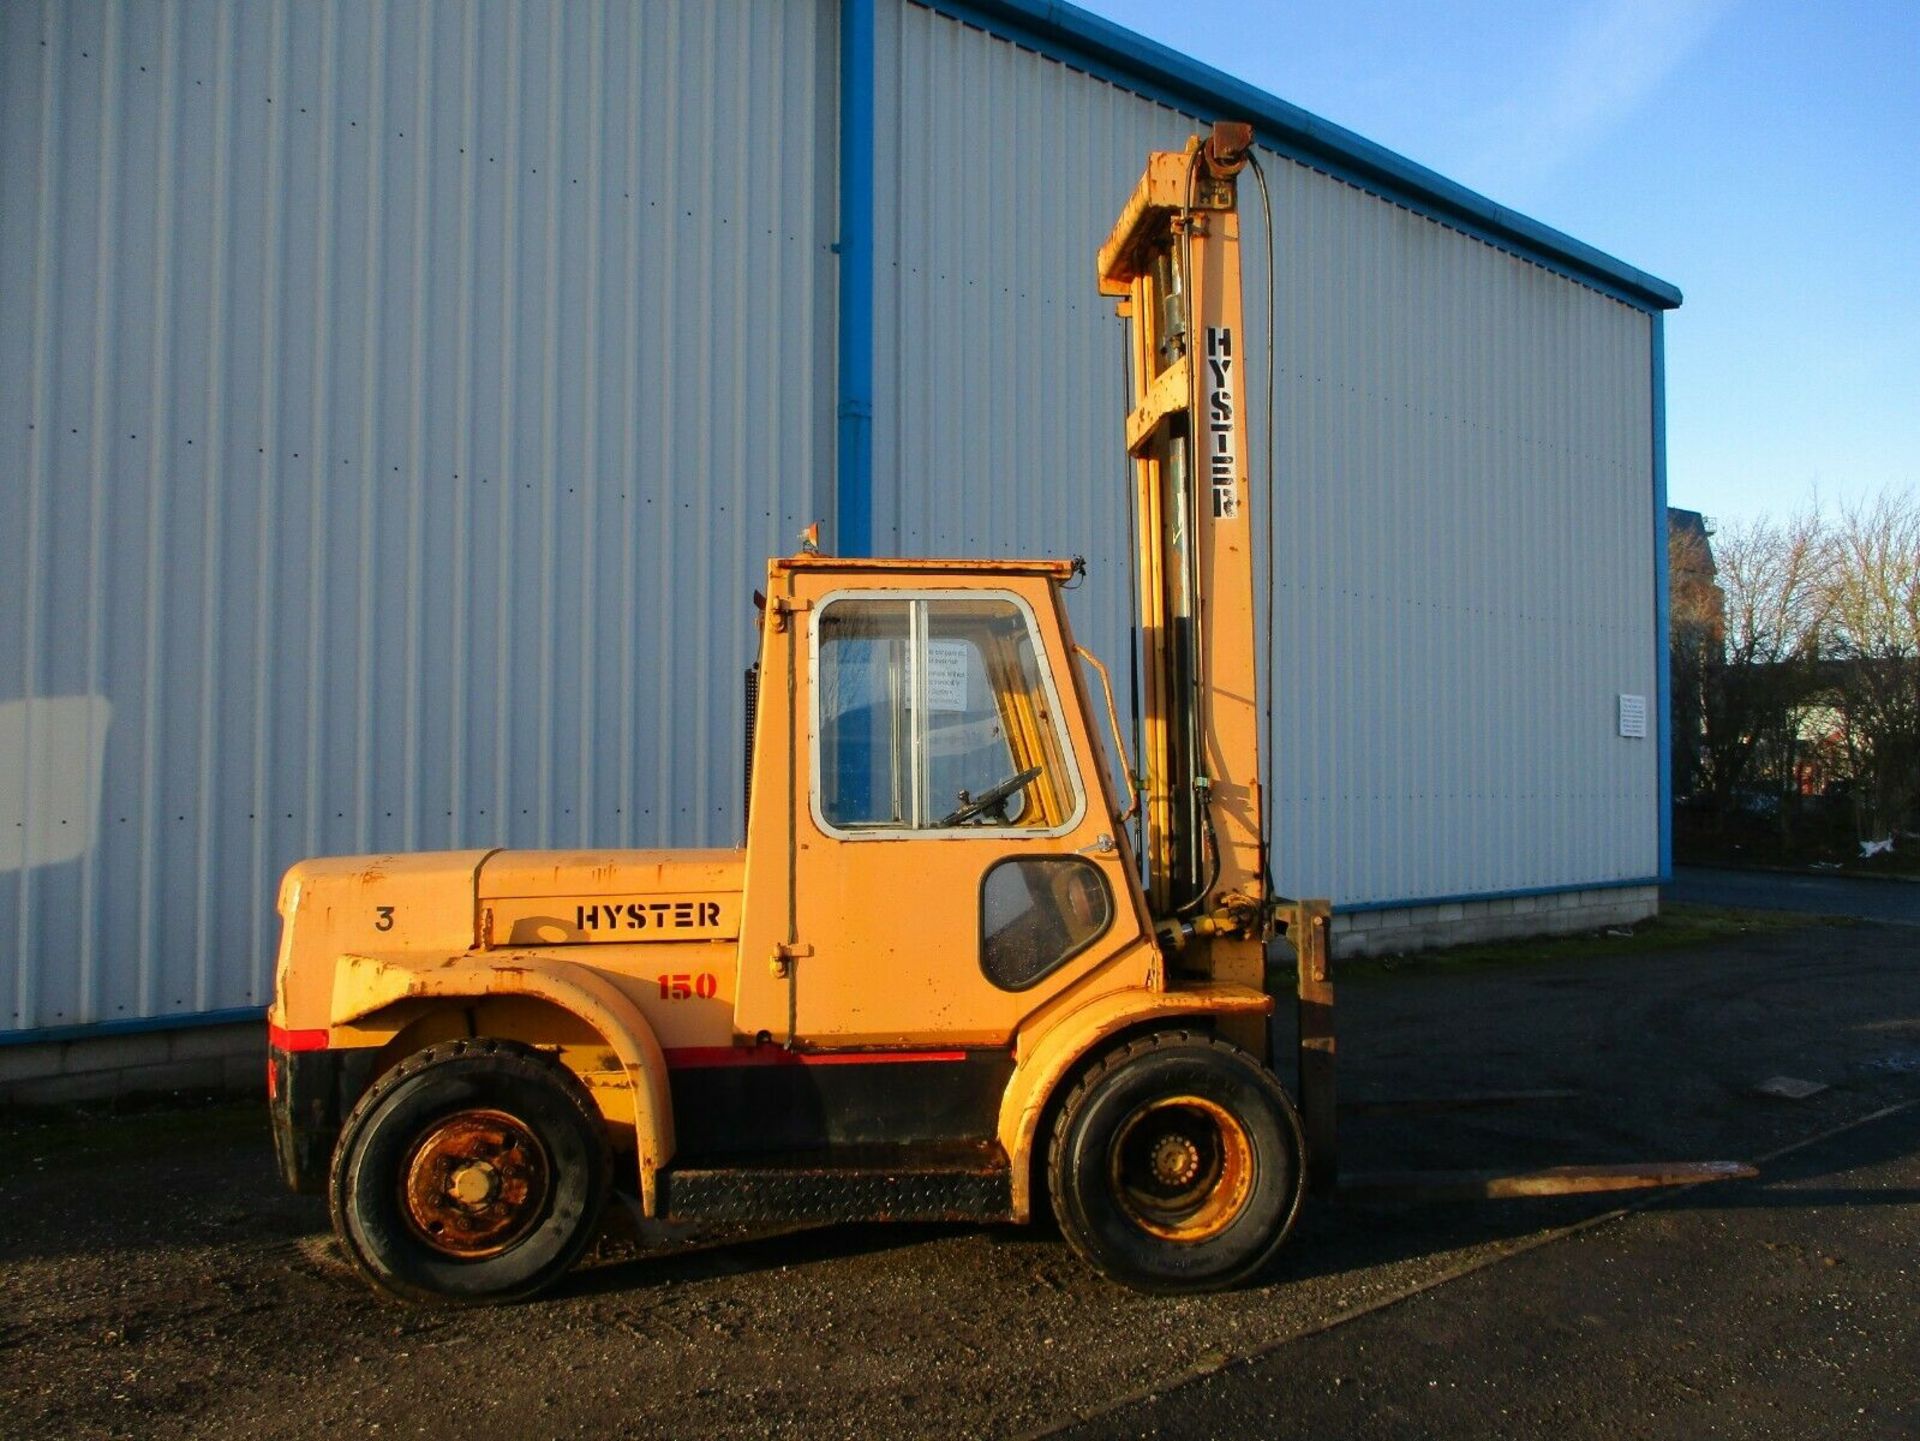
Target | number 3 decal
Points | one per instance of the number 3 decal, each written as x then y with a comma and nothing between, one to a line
383,918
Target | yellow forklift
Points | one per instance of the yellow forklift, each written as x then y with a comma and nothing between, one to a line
941,981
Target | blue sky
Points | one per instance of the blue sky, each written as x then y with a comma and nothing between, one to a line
1762,155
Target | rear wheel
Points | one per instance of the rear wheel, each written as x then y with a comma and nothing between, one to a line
1176,1164
473,1171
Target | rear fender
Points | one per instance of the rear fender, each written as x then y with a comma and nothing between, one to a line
1071,1039
367,984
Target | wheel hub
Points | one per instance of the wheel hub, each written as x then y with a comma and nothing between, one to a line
1176,1160
477,1182
474,1185
1182,1168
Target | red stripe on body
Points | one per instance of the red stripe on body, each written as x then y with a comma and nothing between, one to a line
688,1058
281,1039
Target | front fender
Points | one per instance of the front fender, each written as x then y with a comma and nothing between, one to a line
371,983
1071,1038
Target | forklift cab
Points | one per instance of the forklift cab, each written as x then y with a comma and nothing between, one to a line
933,850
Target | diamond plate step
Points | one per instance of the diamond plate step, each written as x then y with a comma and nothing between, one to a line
945,1183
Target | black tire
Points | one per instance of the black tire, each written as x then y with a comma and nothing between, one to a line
1176,1164
474,1171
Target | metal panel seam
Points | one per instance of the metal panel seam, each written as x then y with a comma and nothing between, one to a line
159,437
36,484
213,537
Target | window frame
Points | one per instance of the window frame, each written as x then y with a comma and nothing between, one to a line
1072,788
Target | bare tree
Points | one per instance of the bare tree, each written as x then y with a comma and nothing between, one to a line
1768,669
1696,642
1871,591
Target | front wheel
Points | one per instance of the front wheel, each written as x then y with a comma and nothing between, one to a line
473,1171
1176,1164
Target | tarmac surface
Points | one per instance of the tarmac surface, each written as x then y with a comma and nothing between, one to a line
1894,902
155,1281
1784,1308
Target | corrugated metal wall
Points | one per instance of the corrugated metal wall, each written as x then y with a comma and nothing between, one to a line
999,387
1465,493
1466,511
402,399
398,403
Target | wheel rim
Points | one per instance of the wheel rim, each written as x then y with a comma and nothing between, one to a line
476,1182
1182,1168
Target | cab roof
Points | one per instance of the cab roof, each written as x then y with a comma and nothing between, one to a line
901,565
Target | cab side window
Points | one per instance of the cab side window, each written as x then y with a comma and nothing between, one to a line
931,714
1037,914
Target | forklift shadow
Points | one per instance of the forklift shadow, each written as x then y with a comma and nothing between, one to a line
1338,1238
1824,1172
618,1268
1886,1142
1332,1240
1335,1236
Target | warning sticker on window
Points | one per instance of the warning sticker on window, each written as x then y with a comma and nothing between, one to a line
948,665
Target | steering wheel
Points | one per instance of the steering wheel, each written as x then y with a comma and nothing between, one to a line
994,800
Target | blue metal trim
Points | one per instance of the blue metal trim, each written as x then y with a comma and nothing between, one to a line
1115,54
853,471
1663,658
97,1030
1366,906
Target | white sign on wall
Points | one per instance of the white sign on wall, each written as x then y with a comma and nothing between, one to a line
1633,717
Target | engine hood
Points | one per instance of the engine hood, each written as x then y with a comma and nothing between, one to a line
545,898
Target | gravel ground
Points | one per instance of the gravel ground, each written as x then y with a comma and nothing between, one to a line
154,1281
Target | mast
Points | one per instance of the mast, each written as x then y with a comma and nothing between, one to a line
1173,263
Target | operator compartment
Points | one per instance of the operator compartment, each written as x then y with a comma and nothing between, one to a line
558,898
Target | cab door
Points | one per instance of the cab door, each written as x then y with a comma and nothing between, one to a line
956,865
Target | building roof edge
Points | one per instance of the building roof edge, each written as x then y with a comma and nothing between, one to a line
1067,32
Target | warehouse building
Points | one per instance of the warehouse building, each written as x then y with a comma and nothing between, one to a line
400,400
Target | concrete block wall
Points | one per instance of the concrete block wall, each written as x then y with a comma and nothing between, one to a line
230,1058
1459,923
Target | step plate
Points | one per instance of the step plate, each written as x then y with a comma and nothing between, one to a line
774,1194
